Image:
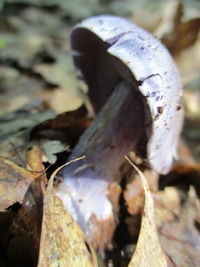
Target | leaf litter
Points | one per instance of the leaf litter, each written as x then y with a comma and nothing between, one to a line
62,241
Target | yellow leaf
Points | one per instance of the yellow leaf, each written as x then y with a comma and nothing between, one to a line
148,252
62,241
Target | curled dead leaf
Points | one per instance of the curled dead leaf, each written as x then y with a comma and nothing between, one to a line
148,250
62,241
15,179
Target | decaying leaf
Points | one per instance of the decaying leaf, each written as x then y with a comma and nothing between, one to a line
134,196
61,73
62,241
14,123
27,34
184,35
20,235
15,179
23,236
167,205
180,239
24,96
15,128
176,30
14,182
51,148
36,59
148,250
59,134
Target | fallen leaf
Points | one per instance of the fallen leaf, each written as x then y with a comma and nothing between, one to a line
134,195
148,250
61,73
15,128
22,234
14,183
167,205
176,32
22,247
62,241
184,35
180,239
60,133
15,123
34,159
15,179
51,148
36,40
27,34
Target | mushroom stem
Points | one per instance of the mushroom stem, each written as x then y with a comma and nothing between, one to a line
117,129
114,133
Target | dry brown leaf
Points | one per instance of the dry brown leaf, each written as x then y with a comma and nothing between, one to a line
177,33
167,205
180,239
134,196
62,241
184,35
23,236
15,180
148,250
14,183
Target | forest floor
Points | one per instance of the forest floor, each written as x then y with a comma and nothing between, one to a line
42,116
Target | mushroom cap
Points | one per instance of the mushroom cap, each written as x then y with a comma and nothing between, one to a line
108,48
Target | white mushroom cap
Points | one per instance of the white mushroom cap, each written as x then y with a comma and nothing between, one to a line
153,68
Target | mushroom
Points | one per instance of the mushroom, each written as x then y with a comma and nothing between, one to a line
135,89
